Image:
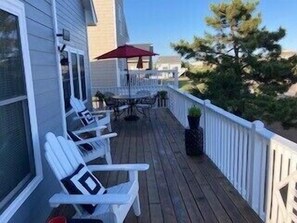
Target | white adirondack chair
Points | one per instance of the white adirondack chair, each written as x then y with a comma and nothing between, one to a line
95,147
64,158
98,116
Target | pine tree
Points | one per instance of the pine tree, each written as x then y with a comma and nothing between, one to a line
245,56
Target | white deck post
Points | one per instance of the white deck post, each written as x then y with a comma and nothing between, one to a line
205,105
175,73
254,166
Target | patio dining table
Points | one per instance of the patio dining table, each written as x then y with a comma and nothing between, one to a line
132,101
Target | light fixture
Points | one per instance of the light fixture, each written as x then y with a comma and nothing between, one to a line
65,34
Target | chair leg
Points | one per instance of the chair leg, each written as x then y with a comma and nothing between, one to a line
136,206
108,158
109,127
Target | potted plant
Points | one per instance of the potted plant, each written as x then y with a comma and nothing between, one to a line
100,98
162,98
194,114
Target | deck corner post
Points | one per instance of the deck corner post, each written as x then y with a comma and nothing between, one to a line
175,73
254,165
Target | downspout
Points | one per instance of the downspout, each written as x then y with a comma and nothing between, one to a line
59,72
116,42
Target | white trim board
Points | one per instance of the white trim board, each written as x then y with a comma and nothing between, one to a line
17,8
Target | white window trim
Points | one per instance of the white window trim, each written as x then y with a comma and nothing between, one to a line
78,52
17,8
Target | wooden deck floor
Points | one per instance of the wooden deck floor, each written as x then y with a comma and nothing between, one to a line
176,188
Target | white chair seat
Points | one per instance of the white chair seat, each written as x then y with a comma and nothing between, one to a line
106,212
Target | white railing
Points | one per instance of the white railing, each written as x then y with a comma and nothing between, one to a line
150,77
254,159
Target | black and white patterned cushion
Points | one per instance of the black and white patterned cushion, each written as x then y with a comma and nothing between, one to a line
82,181
86,117
76,138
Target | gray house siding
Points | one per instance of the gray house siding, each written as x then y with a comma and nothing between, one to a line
70,16
46,89
42,50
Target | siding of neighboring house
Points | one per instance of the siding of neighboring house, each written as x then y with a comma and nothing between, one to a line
121,32
102,38
110,32
46,82
46,89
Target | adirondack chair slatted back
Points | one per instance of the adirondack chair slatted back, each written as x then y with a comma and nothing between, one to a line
62,155
77,104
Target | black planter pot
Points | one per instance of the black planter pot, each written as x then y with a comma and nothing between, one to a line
193,122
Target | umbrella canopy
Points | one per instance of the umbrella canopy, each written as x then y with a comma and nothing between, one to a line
139,63
126,51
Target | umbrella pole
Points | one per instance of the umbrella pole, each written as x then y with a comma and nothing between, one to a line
128,77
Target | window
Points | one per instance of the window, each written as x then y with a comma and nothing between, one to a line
74,79
20,167
66,79
82,77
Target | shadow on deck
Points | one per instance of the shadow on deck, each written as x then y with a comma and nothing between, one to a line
176,188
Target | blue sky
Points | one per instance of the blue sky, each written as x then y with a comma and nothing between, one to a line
161,22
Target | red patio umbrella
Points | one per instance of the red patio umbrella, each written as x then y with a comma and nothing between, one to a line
126,51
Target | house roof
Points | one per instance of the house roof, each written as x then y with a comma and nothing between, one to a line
91,17
287,54
169,60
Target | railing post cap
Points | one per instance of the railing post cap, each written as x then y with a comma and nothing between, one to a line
207,101
258,124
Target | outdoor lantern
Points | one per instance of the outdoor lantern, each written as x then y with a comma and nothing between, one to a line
64,62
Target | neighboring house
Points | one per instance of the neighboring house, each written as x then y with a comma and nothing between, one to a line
34,96
147,62
169,63
110,33
286,54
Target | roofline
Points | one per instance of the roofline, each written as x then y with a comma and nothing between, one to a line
91,17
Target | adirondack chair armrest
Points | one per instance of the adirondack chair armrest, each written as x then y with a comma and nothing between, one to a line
86,129
101,111
62,198
94,139
97,116
119,167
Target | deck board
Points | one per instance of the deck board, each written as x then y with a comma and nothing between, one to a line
176,188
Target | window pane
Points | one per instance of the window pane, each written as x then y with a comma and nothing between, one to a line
83,77
16,156
66,79
11,63
75,75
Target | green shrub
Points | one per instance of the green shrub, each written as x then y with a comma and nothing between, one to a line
194,111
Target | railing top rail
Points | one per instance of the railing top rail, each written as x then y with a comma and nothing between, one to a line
154,71
216,109
247,124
